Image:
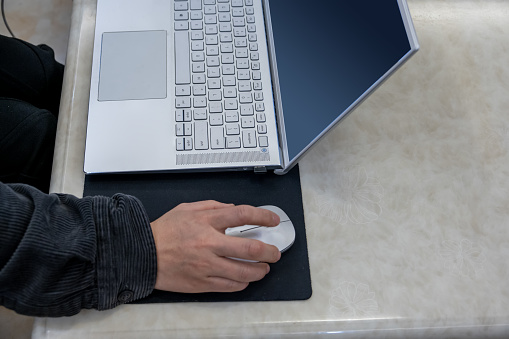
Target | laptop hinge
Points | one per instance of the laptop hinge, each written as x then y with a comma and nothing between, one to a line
260,169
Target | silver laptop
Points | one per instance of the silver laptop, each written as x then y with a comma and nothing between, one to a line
186,85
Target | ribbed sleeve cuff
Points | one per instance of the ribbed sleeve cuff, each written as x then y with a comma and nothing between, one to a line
126,257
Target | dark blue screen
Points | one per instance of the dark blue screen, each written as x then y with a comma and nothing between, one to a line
328,54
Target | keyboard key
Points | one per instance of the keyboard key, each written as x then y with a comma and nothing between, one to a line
195,25
197,35
230,92
262,129
198,67
241,53
239,32
181,25
247,122
198,89
188,129
216,107
225,17
216,138
179,115
211,40
263,141
240,42
243,63
212,50
199,102
231,116
245,86
213,61
229,80
196,15
181,16
214,83
243,75
211,29
238,12
209,9
216,120
230,104
199,78
260,117
259,107
195,4
182,90
180,6
213,72
197,45
232,129
210,19
215,95
180,144
200,114
197,56
249,138
245,98
232,142
182,63
228,48
228,69
201,135
246,110
223,8
188,143
183,102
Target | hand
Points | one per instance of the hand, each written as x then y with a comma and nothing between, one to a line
193,253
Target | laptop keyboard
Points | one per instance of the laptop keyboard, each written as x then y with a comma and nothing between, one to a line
218,84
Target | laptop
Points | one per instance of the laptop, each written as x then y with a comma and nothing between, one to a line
208,85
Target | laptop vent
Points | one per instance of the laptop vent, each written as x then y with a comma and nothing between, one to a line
221,158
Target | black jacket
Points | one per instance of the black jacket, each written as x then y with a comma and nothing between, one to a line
59,254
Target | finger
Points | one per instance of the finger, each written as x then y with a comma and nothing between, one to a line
242,215
203,205
240,271
250,249
219,284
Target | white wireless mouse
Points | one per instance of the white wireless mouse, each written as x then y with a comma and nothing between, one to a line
282,236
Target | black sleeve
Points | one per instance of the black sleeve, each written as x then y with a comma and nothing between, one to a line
60,254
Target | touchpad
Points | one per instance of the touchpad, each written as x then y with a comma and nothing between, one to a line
133,66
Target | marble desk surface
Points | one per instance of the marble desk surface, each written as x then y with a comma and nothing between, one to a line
406,202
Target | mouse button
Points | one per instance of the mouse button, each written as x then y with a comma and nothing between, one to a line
237,229
282,215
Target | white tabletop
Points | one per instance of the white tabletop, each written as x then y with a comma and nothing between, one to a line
406,202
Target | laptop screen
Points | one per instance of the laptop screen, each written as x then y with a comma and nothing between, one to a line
349,46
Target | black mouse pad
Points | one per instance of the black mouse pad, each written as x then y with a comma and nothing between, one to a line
289,279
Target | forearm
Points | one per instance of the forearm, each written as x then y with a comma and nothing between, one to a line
59,254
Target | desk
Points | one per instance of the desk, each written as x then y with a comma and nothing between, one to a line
406,202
